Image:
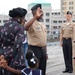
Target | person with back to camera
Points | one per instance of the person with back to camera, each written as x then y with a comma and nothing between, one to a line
32,62
11,39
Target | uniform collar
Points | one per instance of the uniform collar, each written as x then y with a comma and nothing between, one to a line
68,22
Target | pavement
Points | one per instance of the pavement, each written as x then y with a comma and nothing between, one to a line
55,62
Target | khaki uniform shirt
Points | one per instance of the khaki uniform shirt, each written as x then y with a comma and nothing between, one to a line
37,34
67,30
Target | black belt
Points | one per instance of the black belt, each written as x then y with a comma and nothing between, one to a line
35,46
67,38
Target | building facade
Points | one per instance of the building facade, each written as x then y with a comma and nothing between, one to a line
67,5
53,19
56,21
3,19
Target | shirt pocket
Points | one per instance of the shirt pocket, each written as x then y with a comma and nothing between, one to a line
70,29
38,29
63,28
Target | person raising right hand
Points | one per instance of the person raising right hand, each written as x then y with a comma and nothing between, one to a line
37,36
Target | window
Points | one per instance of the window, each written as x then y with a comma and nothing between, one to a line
59,26
63,8
55,13
47,20
64,13
73,20
54,32
42,20
70,8
47,26
47,31
64,3
60,21
52,13
71,3
5,21
64,21
54,27
59,13
0,21
54,21
47,14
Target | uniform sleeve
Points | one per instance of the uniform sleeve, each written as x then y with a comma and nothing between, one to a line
18,42
31,29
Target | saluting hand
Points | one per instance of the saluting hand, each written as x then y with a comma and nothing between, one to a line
38,13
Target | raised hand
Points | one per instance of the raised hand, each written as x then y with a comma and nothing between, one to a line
38,13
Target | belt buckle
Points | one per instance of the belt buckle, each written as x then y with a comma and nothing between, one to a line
66,38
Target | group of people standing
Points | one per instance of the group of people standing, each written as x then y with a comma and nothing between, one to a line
67,41
13,57
12,54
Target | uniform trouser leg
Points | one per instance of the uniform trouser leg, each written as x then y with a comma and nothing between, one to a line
69,44
42,63
65,56
67,52
41,55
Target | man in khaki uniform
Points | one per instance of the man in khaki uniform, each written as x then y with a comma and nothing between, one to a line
37,36
66,36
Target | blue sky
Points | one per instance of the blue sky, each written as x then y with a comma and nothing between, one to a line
6,5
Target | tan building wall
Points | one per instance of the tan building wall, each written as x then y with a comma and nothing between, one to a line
67,5
3,19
